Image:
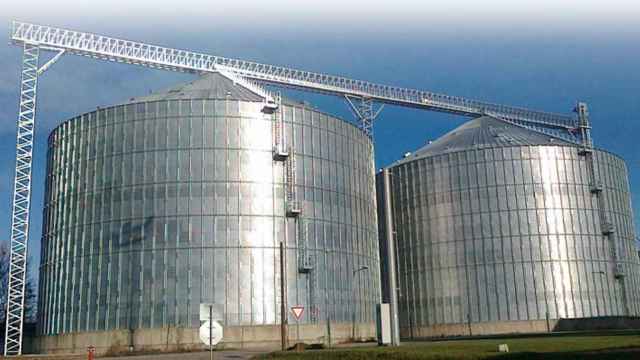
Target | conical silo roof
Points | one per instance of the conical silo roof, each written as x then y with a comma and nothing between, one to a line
483,132
209,86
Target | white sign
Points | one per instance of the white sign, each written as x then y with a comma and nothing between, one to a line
206,310
297,311
211,330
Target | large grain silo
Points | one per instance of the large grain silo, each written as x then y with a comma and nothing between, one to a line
500,229
176,199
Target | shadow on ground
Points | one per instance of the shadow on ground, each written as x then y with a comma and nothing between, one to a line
623,353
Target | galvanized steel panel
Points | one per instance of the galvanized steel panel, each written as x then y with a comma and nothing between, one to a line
489,234
156,206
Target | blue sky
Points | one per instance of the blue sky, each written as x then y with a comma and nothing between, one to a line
540,54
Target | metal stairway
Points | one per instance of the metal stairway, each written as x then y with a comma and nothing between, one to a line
597,189
283,153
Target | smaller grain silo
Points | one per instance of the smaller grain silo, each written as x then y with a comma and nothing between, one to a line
500,229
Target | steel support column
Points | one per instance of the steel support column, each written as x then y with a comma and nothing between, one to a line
391,258
21,201
364,110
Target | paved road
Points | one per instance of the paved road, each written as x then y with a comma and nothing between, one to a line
218,355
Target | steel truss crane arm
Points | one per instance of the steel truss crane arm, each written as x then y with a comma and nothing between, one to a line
118,50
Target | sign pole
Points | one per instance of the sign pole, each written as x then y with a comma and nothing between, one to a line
283,305
210,332
297,314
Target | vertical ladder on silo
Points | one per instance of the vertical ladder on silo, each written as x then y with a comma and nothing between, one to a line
285,154
306,265
596,187
293,205
313,304
305,262
280,152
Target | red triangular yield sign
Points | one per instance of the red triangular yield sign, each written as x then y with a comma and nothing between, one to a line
297,311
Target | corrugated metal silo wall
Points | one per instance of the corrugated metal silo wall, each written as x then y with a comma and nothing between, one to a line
155,207
511,234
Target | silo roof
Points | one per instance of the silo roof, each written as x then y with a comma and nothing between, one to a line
480,133
209,86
